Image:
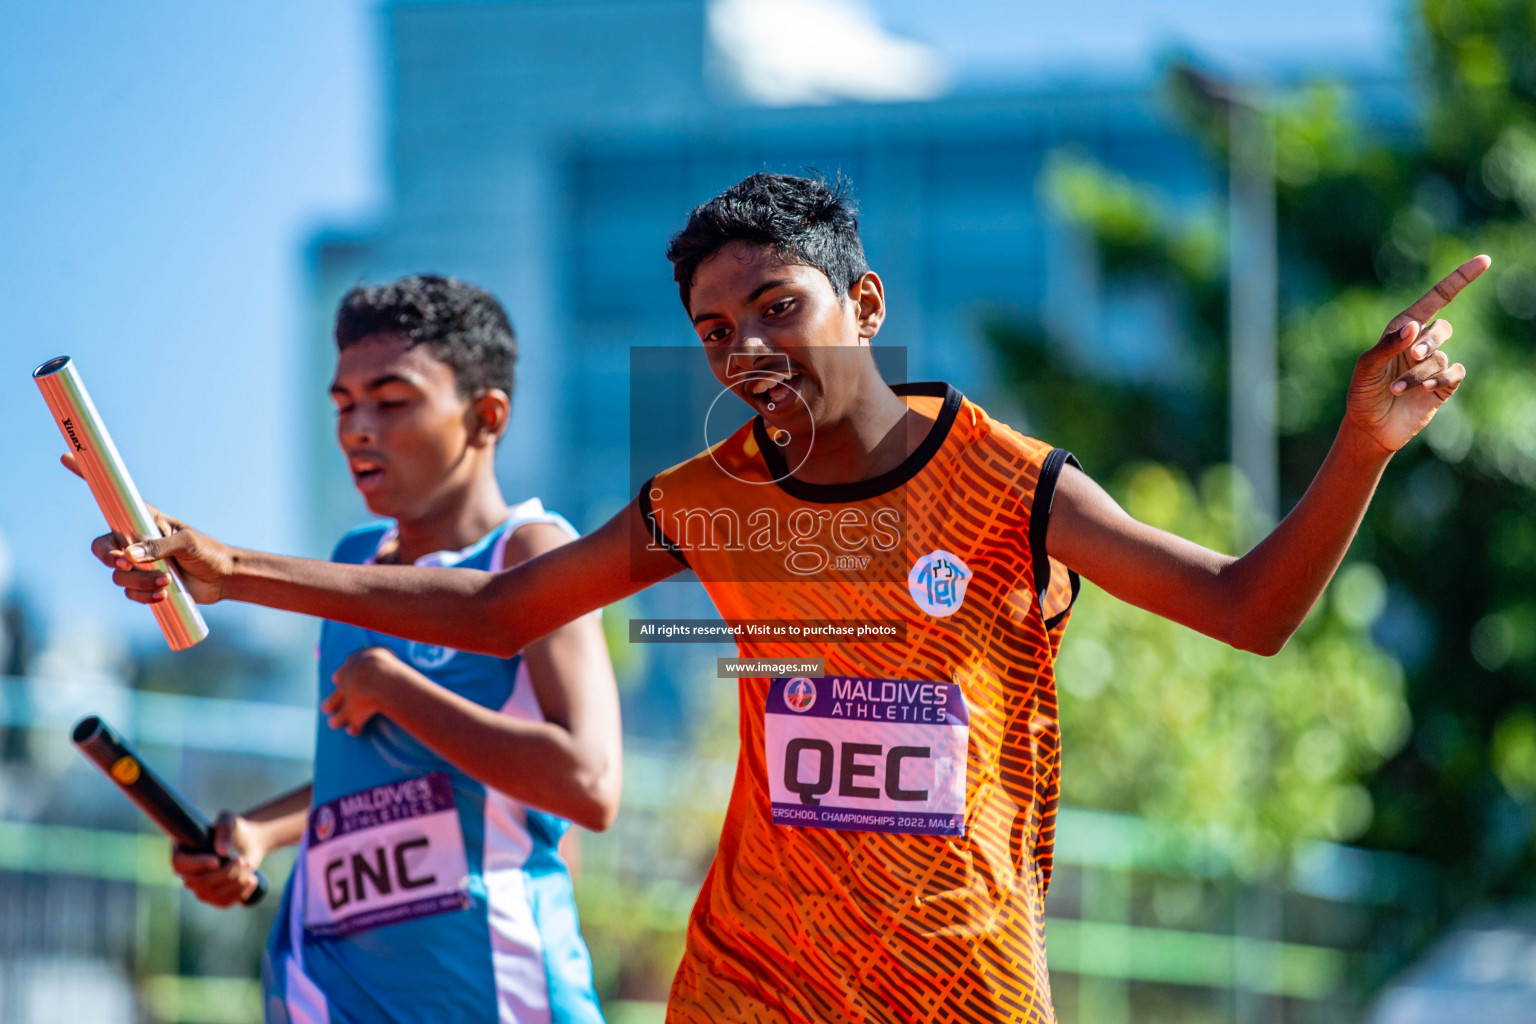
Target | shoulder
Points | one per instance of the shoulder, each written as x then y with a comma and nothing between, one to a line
737,458
531,531
1006,459
993,435
1028,470
359,543
1013,468
716,480
532,540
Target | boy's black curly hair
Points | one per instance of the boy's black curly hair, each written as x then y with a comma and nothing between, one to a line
463,326
810,221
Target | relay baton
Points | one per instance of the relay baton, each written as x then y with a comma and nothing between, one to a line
86,435
178,819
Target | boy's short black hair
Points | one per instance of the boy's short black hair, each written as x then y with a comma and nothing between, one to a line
463,326
809,221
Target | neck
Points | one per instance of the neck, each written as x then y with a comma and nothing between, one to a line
873,434
460,517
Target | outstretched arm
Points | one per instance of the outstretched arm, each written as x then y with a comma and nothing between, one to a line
496,614
1257,602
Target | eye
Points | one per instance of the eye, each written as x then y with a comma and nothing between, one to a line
393,403
780,307
342,408
716,336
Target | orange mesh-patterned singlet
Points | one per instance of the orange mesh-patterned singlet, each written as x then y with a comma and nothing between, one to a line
887,848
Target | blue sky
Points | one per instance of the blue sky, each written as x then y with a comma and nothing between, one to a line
162,164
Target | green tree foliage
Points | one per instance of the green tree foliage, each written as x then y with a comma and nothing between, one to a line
1366,222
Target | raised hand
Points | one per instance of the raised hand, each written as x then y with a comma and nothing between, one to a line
1400,383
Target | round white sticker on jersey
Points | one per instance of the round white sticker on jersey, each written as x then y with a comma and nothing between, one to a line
937,583
427,656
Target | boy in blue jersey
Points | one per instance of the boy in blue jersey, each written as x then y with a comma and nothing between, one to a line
429,885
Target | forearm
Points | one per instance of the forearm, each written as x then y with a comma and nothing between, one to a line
1255,602
539,763
1272,588
497,614
459,608
281,821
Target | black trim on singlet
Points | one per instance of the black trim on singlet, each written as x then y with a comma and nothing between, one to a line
657,533
1039,520
829,494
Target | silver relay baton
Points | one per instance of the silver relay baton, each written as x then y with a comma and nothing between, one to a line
86,435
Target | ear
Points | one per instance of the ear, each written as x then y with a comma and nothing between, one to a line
488,414
868,297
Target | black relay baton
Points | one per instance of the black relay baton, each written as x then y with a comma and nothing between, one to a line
178,819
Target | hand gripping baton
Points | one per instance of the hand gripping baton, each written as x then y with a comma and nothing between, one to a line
178,819
86,435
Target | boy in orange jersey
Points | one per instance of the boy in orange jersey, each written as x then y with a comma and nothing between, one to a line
887,847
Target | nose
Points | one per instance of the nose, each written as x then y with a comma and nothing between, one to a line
751,340
356,428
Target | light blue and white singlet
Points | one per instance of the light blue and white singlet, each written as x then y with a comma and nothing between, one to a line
420,896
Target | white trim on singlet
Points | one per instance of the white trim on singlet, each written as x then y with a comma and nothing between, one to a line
302,998
518,516
517,946
525,514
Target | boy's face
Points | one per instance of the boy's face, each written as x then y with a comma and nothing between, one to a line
779,335
404,427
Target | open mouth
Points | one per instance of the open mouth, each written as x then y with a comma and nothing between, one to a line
772,390
367,473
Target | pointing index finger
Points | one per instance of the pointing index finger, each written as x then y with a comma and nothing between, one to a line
1448,287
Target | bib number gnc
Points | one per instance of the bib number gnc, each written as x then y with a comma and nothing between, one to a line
384,855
